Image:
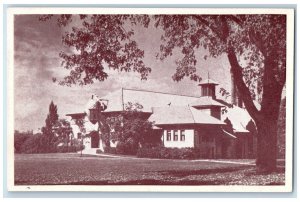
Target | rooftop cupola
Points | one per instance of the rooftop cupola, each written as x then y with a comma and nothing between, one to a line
208,88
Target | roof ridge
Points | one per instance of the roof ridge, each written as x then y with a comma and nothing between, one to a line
173,106
192,114
151,91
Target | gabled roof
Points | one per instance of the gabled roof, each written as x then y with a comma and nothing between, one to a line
238,117
168,108
78,115
181,115
115,101
206,101
148,99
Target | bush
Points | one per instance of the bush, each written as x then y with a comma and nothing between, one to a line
128,148
19,140
111,150
37,144
168,153
40,143
69,149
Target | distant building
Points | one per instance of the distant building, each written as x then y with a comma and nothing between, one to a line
217,128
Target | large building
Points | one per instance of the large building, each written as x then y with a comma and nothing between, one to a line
217,128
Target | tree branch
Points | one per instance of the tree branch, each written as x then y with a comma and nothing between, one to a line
255,38
236,70
207,24
243,90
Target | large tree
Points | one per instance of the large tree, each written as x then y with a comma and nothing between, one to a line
50,122
62,129
131,129
255,46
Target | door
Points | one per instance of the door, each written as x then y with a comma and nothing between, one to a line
95,140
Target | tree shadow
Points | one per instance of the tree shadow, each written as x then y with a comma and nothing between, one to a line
185,173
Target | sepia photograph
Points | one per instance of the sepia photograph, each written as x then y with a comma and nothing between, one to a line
173,100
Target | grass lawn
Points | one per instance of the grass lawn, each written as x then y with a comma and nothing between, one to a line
49,169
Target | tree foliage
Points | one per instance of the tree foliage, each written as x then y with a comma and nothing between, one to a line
50,121
129,128
27,142
253,40
19,139
54,132
255,46
62,130
101,41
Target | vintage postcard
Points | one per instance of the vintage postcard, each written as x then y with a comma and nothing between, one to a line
150,99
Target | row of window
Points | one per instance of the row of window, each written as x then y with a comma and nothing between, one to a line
175,135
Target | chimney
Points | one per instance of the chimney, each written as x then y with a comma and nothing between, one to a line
235,99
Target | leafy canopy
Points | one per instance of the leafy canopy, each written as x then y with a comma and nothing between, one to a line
253,38
131,126
106,41
101,41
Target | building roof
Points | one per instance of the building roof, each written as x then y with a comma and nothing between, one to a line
181,115
207,81
206,101
148,99
91,103
167,108
238,117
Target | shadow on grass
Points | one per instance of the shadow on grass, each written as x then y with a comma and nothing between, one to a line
185,173
253,172
145,182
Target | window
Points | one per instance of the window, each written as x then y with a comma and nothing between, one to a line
175,137
182,135
168,135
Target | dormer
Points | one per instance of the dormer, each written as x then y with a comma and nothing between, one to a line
208,88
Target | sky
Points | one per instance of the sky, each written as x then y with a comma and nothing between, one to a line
36,61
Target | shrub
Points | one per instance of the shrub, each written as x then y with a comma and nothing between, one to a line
111,150
98,151
19,140
168,153
40,143
69,149
128,148
37,144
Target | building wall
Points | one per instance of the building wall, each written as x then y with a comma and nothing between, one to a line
89,127
188,142
212,111
206,143
216,112
206,110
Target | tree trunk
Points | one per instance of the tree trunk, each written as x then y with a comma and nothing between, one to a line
265,118
266,145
